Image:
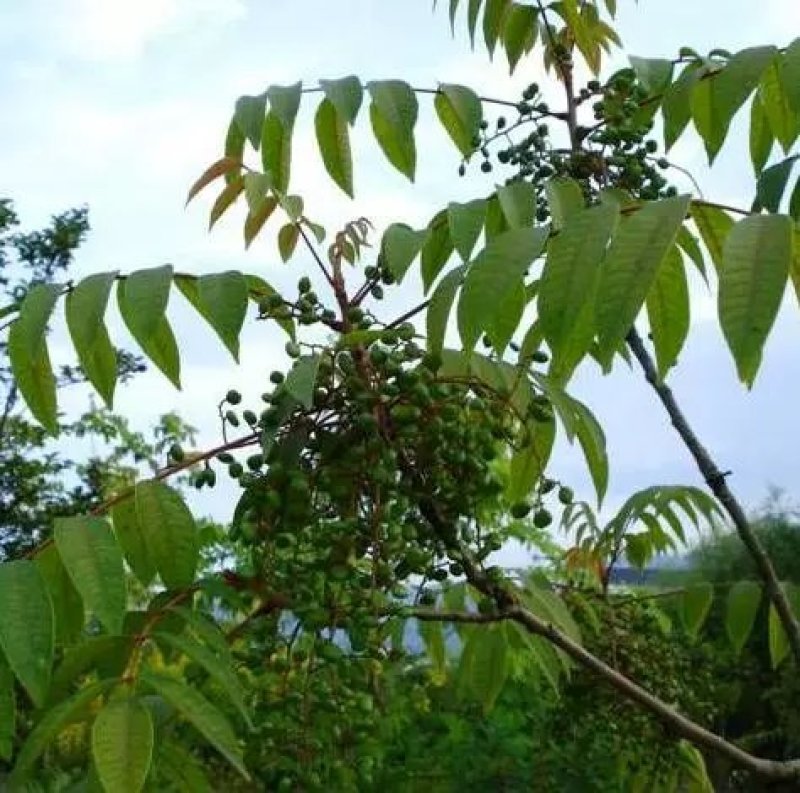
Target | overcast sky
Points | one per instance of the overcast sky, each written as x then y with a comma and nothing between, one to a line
120,105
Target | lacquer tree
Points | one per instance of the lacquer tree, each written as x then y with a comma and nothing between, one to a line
383,469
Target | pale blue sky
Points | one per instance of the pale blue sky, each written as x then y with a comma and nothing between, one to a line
119,105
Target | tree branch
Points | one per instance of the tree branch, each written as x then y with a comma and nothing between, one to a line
715,480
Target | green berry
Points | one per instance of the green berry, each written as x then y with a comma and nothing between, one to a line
520,510
292,349
542,518
566,495
276,377
233,397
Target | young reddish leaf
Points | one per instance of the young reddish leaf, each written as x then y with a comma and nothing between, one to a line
214,171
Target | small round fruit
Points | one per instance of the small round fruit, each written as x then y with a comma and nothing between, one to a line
566,495
233,397
520,510
542,518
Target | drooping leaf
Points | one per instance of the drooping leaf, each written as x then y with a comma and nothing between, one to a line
772,185
690,246
302,378
393,113
761,137
432,635
249,116
790,72
399,247
744,599
489,666
122,745
27,632
182,768
257,217
460,113
783,121
694,606
518,202
437,249
714,226
203,716
581,33
493,21
85,308
655,74
466,223
51,724
131,540
440,306
67,604
217,667
676,107
287,240
276,133
103,655
668,310
505,321
636,251
225,199
528,462
494,273
715,100
519,32
28,356
93,560
756,260
334,145
571,269
346,95
222,301
169,532
234,148
142,298
565,198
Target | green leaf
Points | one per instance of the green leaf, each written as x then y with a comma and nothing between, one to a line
783,121
28,356
466,223
519,33
489,665
105,656
259,289
439,308
51,724
234,149
201,714
132,541
716,99
182,768
493,21
460,112
122,745
393,113
565,198
437,249
676,107
94,562
399,247
761,137
249,116
276,133
8,710
67,603
744,599
346,95
26,626
494,273
778,642
142,299
634,256
593,443
302,378
334,145
85,308
571,269
791,74
582,35
756,261
473,9
222,301
529,461
287,240
432,634
218,667
205,629
518,202
668,311
772,185
714,226
506,319
688,243
694,606
169,532
655,74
